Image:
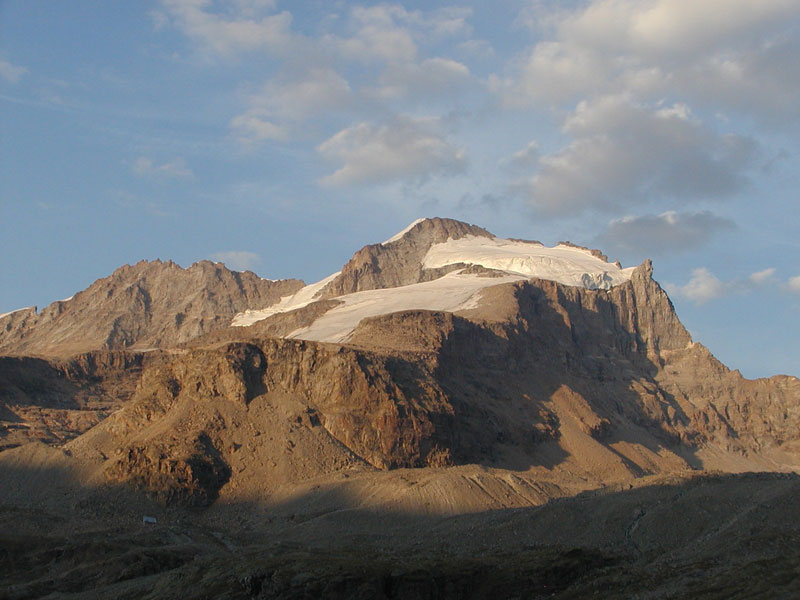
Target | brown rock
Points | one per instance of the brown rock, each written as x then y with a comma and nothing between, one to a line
147,305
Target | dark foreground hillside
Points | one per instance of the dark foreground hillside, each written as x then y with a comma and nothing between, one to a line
724,536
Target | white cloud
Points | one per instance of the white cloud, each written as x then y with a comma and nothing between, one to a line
238,260
625,72
379,35
176,168
668,232
736,54
407,148
10,72
764,81
701,288
390,33
762,277
554,72
243,27
392,36
794,284
427,79
704,286
624,153
252,8
675,28
299,97
448,20
280,104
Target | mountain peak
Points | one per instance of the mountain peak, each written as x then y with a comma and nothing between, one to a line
144,305
434,264
397,261
438,227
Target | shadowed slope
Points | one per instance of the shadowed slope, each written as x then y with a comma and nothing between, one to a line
709,537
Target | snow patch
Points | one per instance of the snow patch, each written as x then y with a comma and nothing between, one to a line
399,235
564,264
299,299
453,292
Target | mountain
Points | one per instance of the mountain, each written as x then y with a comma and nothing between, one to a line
442,372
437,264
147,305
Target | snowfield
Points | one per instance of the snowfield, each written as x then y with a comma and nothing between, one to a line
450,293
564,264
301,298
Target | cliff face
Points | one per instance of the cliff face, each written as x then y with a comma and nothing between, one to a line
147,305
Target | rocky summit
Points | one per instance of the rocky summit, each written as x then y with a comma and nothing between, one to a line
450,415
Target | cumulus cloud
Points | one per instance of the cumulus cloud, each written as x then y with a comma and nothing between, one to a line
280,103
380,35
762,277
299,97
736,54
240,26
424,80
238,260
404,149
387,31
794,284
392,36
174,169
672,27
624,153
11,72
668,232
555,72
761,82
704,286
447,20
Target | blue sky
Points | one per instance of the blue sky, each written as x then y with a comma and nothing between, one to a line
282,136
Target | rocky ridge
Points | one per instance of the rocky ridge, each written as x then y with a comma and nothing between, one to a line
147,305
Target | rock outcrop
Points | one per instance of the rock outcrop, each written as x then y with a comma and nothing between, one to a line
54,401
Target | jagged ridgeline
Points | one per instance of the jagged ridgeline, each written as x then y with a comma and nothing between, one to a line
444,349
